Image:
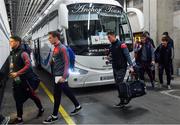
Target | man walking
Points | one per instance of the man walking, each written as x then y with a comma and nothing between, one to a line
21,72
152,43
120,57
60,71
147,61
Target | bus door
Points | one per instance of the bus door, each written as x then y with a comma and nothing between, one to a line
125,33
37,53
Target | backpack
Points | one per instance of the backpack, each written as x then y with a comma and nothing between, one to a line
26,48
71,57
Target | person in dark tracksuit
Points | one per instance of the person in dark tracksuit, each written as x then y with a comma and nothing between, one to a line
146,58
21,72
152,43
120,56
61,71
170,44
165,58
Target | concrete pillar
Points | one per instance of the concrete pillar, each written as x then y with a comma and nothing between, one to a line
158,17
165,17
150,15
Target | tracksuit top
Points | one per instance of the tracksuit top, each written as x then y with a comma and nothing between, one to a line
60,60
120,55
165,55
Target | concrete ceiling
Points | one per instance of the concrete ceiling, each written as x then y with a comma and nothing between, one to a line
23,14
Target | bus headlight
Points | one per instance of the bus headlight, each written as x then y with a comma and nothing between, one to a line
77,71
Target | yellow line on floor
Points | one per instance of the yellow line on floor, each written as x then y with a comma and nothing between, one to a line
65,115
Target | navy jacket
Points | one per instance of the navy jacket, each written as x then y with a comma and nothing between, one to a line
165,55
146,53
120,55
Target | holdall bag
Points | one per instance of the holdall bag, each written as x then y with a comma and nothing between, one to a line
137,87
33,81
125,90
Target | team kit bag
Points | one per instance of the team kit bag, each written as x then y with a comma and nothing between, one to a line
132,89
33,81
137,88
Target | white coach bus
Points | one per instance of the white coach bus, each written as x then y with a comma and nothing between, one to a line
83,25
4,43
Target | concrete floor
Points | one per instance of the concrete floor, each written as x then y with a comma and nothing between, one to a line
97,102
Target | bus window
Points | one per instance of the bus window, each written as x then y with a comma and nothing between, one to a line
88,27
125,31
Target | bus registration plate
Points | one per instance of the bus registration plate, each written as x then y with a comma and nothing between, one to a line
106,77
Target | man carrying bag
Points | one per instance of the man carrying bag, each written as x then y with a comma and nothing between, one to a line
23,76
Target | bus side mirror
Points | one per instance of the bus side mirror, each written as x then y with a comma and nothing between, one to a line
140,16
63,16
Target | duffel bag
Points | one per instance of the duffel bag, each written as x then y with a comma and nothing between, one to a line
125,90
138,88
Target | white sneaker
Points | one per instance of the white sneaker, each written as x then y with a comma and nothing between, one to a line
169,87
50,119
76,110
5,121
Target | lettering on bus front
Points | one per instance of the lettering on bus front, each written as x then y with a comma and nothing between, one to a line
85,8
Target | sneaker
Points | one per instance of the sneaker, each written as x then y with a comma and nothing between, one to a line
119,105
169,87
17,121
126,101
50,119
76,110
40,113
5,121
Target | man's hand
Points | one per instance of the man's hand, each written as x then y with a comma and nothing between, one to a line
131,69
13,75
61,80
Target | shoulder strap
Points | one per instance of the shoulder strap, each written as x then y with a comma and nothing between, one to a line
61,46
159,47
21,52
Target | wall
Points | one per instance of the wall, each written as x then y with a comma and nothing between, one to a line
176,37
160,17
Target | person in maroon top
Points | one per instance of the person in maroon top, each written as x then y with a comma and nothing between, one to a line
21,72
60,67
